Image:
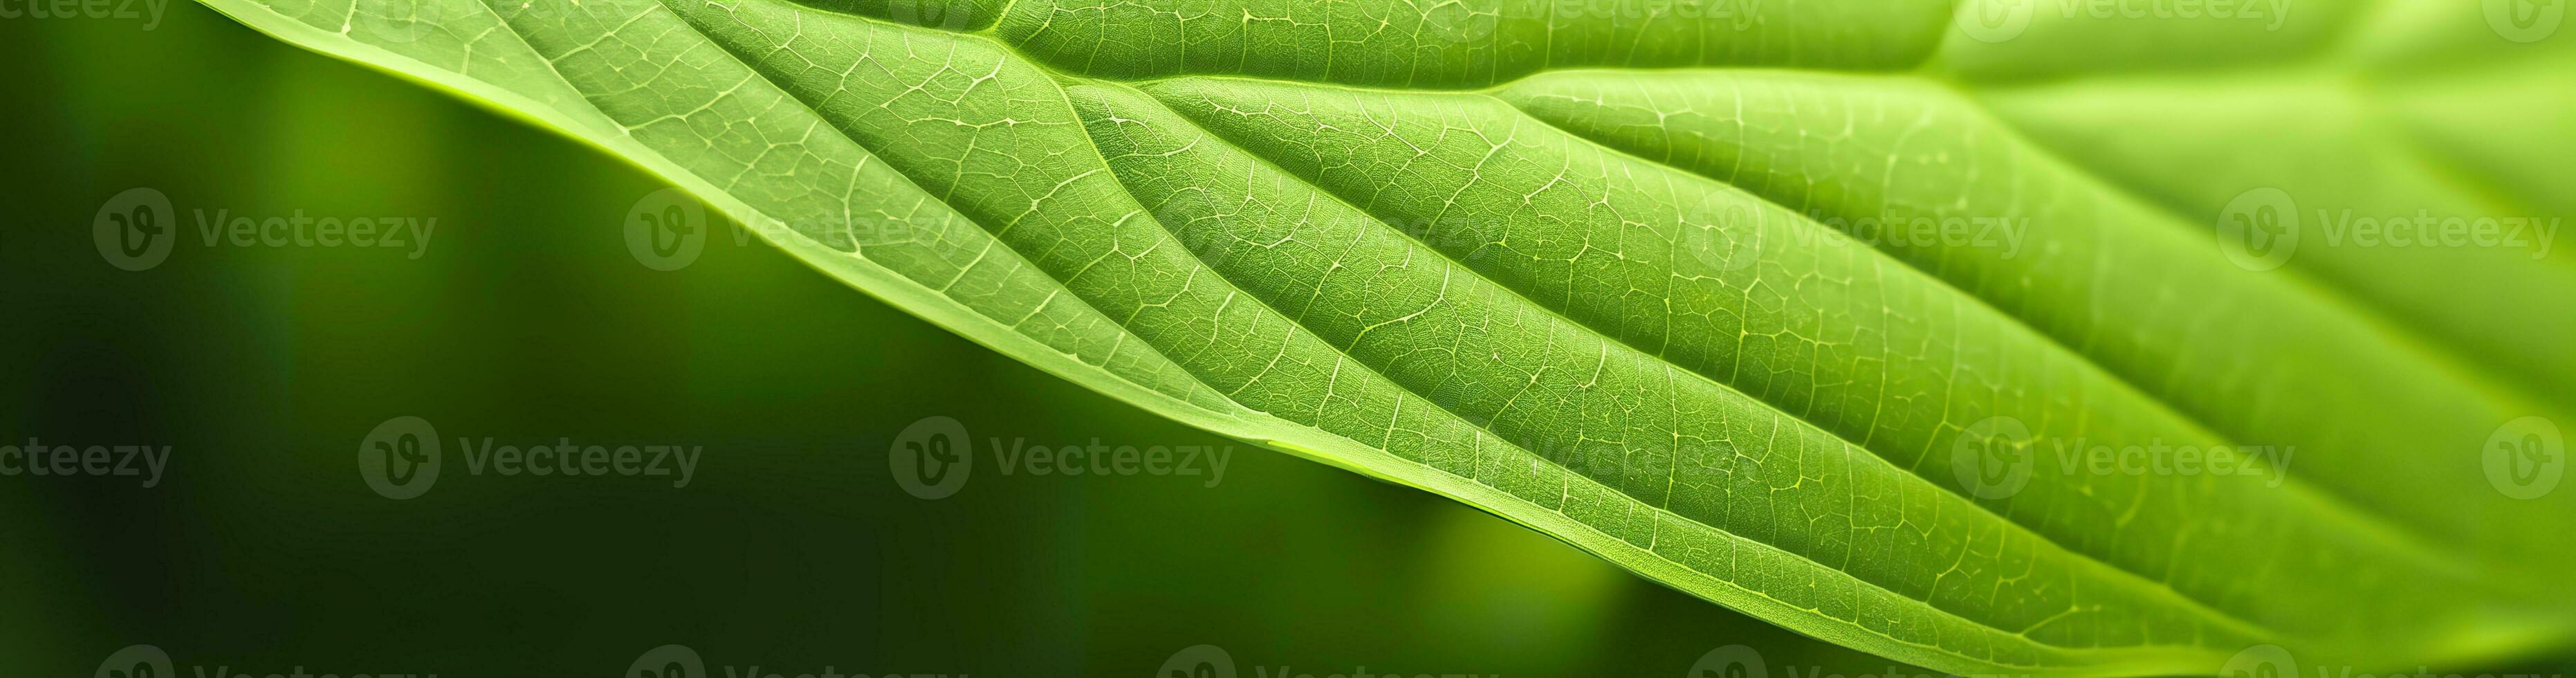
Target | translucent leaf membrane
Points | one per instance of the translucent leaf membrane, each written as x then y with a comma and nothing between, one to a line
1822,311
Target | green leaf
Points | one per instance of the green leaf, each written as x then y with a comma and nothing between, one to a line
1817,310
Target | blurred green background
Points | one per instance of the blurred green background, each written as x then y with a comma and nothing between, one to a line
526,320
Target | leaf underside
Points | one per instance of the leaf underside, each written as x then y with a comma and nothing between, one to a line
1674,288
